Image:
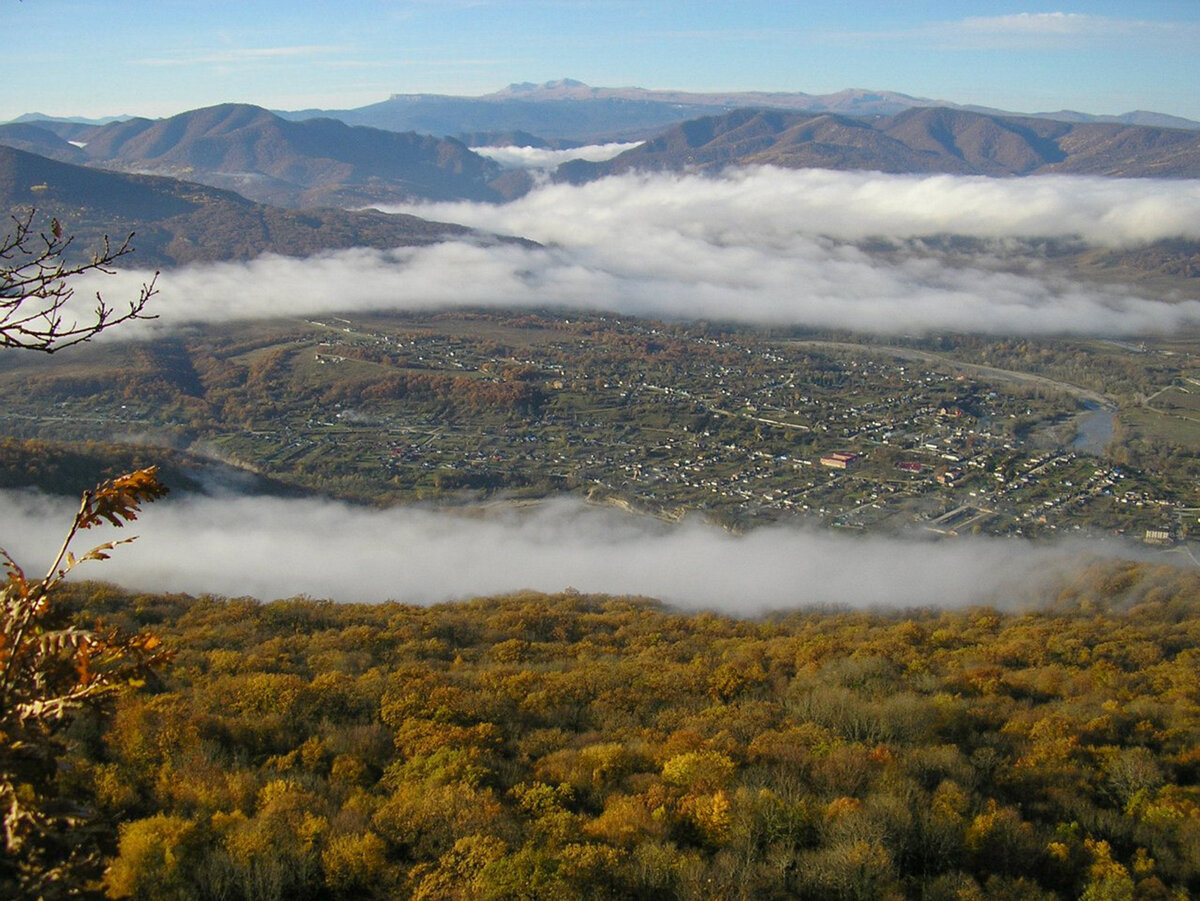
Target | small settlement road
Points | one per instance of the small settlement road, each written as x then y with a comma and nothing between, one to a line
1012,375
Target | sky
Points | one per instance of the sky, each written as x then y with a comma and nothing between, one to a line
161,57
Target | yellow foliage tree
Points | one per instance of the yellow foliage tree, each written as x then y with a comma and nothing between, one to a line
50,668
152,862
1108,880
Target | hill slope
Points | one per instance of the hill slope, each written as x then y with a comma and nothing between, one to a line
918,140
311,163
179,222
36,138
611,748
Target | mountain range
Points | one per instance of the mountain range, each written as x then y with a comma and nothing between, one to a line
918,140
569,110
234,181
317,162
327,163
572,110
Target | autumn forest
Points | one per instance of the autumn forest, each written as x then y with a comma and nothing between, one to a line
575,746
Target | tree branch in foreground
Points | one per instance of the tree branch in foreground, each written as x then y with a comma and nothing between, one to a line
50,668
34,292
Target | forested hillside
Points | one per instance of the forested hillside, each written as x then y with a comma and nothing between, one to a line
924,139
574,746
179,222
317,162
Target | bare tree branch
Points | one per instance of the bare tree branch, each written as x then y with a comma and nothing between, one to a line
34,289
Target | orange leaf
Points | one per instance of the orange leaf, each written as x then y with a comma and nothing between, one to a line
119,500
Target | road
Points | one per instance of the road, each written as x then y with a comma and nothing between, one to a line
995,372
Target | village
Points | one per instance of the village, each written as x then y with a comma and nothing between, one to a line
738,426
746,431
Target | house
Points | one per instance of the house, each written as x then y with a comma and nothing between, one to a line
839,460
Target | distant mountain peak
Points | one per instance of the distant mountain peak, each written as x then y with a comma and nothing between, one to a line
852,101
559,89
526,87
70,120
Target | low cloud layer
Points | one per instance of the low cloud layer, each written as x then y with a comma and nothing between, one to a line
765,206
271,548
538,158
761,245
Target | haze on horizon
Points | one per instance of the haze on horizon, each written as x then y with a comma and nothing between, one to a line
1102,57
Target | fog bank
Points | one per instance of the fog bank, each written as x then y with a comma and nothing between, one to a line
511,157
271,548
766,206
756,246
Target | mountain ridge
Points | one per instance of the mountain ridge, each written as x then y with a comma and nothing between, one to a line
315,162
327,163
918,140
568,109
177,222
628,111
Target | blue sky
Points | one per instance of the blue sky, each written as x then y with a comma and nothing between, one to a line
159,57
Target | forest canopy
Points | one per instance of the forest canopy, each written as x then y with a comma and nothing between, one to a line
579,746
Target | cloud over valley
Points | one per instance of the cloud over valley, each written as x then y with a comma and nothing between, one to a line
272,547
538,158
757,245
